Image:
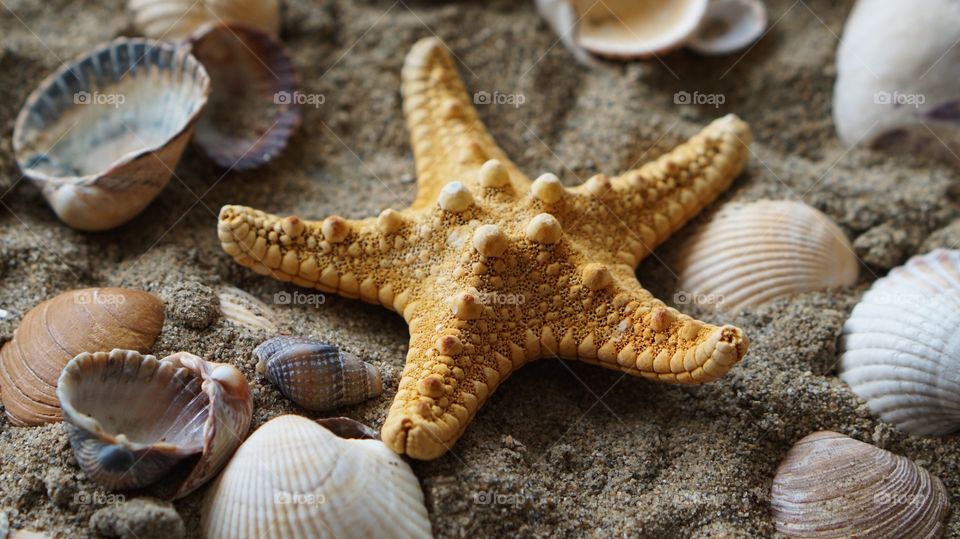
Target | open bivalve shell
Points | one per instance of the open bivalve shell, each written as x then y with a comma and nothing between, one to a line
830,485
176,19
135,421
632,29
750,254
293,478
729,26
901,349
58,329
102,135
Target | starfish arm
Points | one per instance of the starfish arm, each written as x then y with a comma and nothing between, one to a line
449,141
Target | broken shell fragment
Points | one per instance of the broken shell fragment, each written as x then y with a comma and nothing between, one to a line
322,487
136,421
58,329
102,135
316,375
729,26
173,20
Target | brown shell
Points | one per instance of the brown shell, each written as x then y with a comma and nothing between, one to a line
830,485
53,332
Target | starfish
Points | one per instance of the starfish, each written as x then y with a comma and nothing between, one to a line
492,270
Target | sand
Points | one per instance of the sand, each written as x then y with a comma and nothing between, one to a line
562,449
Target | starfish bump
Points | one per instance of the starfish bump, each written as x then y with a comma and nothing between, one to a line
492,270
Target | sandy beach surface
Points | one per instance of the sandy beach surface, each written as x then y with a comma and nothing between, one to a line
563,449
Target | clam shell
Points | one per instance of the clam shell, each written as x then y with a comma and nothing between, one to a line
177,19
901,349
750,254
631,29
242,309
729,26
830,485
136,421
102,135
293,478
56,330
316,375
254,106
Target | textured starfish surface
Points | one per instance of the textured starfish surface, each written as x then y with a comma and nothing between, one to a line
492,270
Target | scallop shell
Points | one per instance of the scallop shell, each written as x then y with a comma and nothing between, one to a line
316,375
177,19
102,135
901,348
242,309
293,478
897,73
56,330
830,485
729,26
254,106
750,254
631,29
135,421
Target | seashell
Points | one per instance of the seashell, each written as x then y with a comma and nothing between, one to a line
254,105
729,26
172,20
316,375
136,421
56,330
243,309
631,29
897,72
830,485
900,347
102,135
750,254
293,478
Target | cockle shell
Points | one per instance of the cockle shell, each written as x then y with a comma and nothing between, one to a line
316,375
901,348
830,485
897,72
176,19
255,100
293,478
58,329
102,135
729,26
136,421
749,254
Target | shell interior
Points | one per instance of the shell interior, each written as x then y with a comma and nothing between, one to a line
730,25
628,28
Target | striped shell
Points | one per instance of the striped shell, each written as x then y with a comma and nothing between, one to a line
176,19
295,479
316,375
750,254
102,135
58,329
830,485
901,347
136,421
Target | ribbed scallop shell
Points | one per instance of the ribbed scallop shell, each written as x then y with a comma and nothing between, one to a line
136,421
750,254
295,479
58,329
830,485
176,19
316,375
102,135
901,345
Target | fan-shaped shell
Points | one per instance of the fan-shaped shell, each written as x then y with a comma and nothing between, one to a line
293,478
631,29
102,135
901,347
255,101
241,308
316,375
754,253
729,25
136,421
177,19
58,329
830,485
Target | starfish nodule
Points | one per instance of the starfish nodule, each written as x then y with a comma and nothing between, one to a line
491,270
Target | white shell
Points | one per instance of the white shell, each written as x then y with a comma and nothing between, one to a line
176,19
102,135
901,345
749,254
897,72
240,308
632,29
729,25
295,479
